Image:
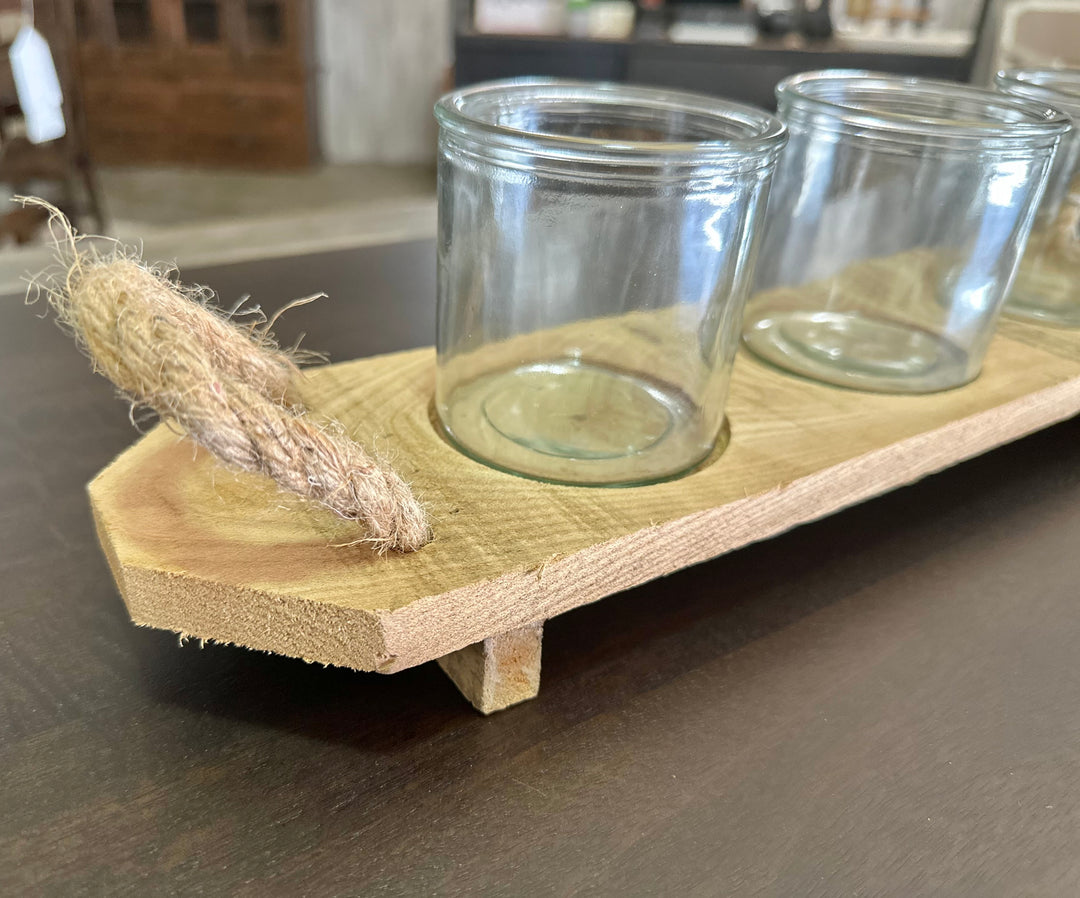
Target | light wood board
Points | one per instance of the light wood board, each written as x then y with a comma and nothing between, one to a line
223,556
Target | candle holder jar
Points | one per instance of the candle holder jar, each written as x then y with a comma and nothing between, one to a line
596,246
1047,286
898,216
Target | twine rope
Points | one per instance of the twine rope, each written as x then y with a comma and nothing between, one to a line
228,386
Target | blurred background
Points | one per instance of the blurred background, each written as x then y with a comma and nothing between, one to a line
229,130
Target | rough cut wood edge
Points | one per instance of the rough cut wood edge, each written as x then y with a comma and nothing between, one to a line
437,625
412,634
500,671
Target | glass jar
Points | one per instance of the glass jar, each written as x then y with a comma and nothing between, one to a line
1047,286
596,246
898,216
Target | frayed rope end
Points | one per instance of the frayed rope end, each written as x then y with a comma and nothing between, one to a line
227,385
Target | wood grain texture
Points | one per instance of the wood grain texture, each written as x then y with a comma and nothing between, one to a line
501,671
883,703
222,98
221,556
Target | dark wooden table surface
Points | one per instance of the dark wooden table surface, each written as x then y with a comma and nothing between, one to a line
883,703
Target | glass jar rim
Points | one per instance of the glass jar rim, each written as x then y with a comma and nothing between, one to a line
1055,87
1002,118
462,111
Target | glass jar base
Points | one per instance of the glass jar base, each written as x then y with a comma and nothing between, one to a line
569,421
1064,315
851,349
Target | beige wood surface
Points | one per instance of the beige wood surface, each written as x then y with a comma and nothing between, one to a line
499,671
223,556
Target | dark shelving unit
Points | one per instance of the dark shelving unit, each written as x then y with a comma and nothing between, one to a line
746,73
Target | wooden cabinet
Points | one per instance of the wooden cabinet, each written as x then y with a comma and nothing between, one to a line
196,82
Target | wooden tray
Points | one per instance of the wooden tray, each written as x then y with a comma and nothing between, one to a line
222,556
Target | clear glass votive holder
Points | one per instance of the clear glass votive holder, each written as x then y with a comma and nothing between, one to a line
898,217
596,246
1047,286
